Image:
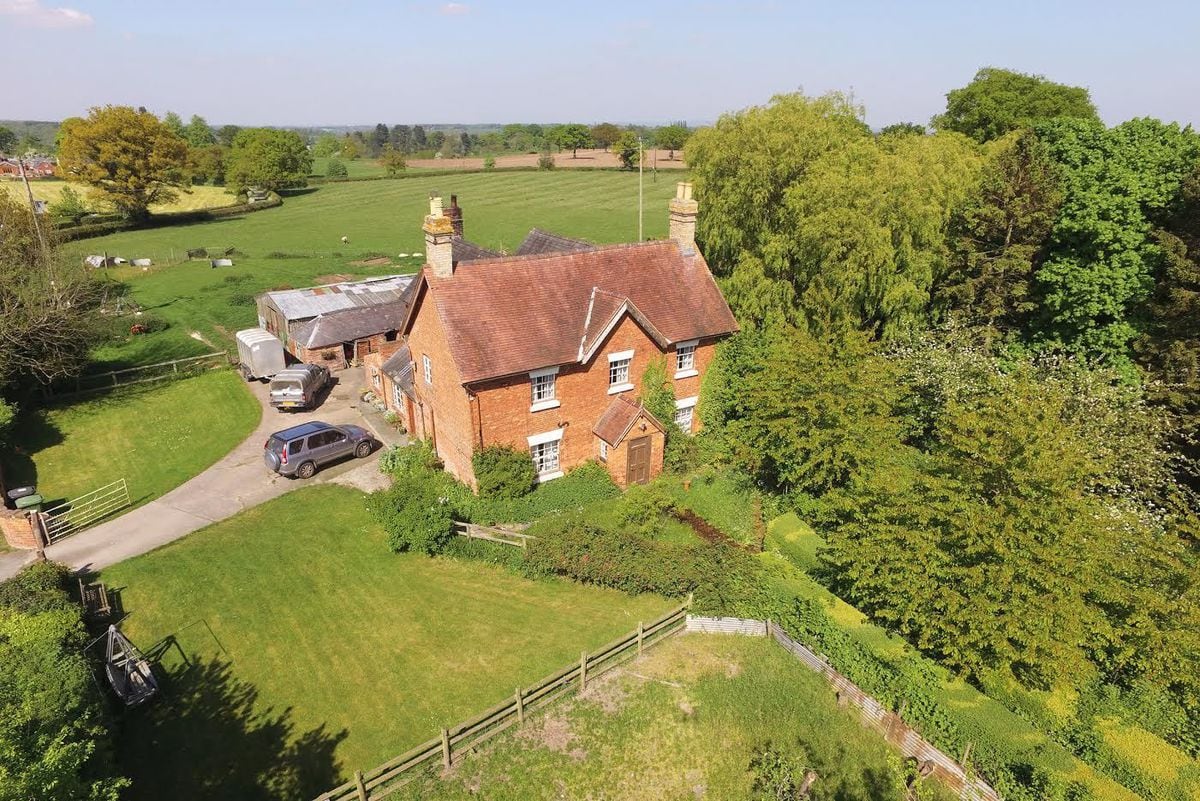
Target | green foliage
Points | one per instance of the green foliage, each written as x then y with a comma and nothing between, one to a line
489,163
198,133
128,157
8,414
999,237
573,136
546,161
812,416
8,140
672,137
336,169
604,134
503,472
584,485
818,224
659,394
415,459
50,732
393,160
644,506
903,129
1101,258
207,164
69,207
325,146
998,101
627,149
267,158
415,513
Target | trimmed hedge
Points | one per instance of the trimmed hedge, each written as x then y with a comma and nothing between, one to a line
88,231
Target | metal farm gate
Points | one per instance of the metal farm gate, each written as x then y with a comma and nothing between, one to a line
71,517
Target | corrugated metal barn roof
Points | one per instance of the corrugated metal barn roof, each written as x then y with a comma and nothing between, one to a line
302,304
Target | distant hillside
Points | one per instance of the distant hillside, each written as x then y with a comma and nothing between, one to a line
44,132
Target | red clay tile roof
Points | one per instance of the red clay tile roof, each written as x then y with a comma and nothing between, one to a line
619,417
519,313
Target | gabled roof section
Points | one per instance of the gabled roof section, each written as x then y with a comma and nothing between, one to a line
510,315
347,325
538,241
465,250
619,417
400,367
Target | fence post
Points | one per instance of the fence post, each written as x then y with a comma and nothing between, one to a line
445,749
582,670
641,633
520,707
768,628
362,788
966,755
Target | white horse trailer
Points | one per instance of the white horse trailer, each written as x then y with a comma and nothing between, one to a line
260,353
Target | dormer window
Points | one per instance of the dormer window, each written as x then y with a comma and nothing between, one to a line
543,389
685,359
618,371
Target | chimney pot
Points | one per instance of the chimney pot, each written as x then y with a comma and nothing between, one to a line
439,240
455,215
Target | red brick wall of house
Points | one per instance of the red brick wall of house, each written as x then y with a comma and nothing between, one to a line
618,457
503,406
443,414
332,357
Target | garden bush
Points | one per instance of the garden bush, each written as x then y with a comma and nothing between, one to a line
336,169
414,459
585,484
503,472
414,513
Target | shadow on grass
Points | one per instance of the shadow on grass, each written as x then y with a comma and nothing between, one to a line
207,737
33,433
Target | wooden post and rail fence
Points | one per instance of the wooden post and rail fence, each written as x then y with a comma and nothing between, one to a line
132,375
500,534
455,742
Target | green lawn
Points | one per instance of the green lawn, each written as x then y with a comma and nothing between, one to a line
685,721
155,436
356,168
314,651
299,243
191,199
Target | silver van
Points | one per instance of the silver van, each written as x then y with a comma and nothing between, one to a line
298,387
298,451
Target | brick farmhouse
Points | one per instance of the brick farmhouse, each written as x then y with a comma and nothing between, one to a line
544,351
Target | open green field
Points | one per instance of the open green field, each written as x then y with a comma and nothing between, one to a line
155,436
299,243
191,199
356,168
687,720
298,648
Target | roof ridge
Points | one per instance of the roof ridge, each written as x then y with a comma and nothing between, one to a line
561,255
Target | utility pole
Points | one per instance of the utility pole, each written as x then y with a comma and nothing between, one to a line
641,163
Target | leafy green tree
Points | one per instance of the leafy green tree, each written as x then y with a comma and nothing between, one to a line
573,136
29,144
175,124
325,146
50,728
999,239
627,149
401,138
903,129
128,157
419,140
604,134
673,137
198,133
349,148
392,160
207,164
227,134
1101,257
464,143
380,136
267,158
435,140
8,140
811,415
998,101
69,207
336,169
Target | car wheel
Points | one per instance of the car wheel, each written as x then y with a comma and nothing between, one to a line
362,450
306,470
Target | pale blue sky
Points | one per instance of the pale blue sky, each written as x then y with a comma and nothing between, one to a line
367,61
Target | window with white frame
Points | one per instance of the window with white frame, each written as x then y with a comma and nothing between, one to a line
603,451
685,409
618,371
397,397
375,380
544,450
543,389
427,366
685,359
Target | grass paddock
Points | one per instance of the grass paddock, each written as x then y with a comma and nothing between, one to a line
299,649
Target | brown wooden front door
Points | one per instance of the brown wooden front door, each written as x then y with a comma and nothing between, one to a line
637,468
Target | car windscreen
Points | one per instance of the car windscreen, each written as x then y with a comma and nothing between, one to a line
275,445
286,386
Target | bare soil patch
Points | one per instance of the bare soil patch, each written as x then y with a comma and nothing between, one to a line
332,278
378,261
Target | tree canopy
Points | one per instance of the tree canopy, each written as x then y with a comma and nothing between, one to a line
128,157
998,101
573,136
267,158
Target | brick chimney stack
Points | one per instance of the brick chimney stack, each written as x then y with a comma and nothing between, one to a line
683,218
455,215
439,233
